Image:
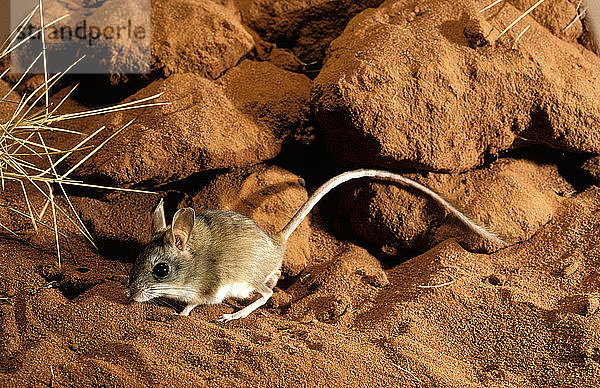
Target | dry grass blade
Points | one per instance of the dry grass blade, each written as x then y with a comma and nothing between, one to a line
29,208
22,214
408,372
89,155
580,15
55,224
13,36
138,104
65,155
521,34
511,25
8,230
11,46
490,6
21,79
440,285
42,28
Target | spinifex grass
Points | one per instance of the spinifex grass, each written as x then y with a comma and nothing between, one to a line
27,162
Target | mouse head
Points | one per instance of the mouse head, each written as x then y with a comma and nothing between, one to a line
159,269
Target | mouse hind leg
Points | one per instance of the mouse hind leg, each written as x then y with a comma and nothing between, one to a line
265,293
273,278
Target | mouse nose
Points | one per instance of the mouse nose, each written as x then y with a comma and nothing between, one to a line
136,295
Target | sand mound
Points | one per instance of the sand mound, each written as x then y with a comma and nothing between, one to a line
525,316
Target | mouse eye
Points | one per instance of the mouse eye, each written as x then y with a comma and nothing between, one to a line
161,270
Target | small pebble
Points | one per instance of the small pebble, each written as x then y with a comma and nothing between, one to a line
280,299
592,305
389,250
570,269
378,281
496,279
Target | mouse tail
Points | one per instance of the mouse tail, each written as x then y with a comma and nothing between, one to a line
363,173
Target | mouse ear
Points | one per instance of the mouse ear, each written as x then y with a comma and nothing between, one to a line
183,223
158,217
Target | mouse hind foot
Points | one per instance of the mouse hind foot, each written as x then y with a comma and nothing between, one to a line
273,278
265,294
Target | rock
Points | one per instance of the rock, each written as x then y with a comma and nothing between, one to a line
592,166
280,299
274,97
396,93
496,279
114,233
342,284
389,215
306,28
268,195
512,197
197,36
592,305
204,126
199,129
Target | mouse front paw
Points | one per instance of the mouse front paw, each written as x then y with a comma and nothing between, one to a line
187,310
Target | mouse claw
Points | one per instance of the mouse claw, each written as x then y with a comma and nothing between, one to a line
226,318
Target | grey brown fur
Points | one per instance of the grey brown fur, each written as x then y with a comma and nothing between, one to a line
231,247
223,248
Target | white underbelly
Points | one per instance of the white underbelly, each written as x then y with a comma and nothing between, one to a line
235,290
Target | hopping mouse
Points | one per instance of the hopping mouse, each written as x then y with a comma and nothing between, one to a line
205,257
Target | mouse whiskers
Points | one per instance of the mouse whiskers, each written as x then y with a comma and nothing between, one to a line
163,303
182,293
